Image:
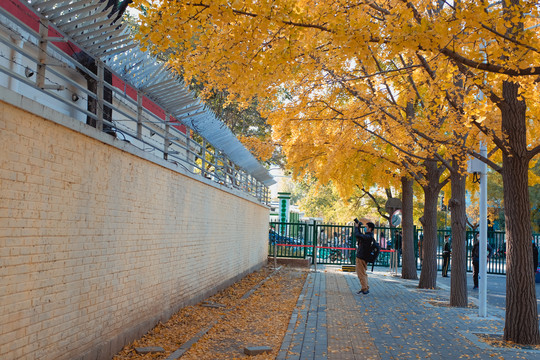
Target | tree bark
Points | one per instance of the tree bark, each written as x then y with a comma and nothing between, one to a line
428,275
408,270
458,280
521,323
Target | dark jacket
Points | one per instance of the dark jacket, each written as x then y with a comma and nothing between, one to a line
446,249
476,251
364,243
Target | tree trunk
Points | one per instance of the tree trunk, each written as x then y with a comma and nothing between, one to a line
521,324
408,271
458,280
428,275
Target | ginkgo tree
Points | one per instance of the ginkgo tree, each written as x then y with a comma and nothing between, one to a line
340,143
399,128
263,48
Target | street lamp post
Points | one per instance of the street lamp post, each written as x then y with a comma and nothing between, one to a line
482,274
479,169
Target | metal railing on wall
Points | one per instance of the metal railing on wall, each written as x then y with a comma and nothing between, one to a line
73,56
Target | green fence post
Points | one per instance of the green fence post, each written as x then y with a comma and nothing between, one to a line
305,236
315,244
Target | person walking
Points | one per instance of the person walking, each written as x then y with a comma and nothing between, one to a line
446,256
364,245
476,258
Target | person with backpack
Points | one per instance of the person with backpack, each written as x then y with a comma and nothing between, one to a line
363,254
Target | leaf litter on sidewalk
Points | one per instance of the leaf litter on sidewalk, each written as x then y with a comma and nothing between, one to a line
260,319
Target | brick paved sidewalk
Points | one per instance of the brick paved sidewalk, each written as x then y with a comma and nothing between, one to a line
396,320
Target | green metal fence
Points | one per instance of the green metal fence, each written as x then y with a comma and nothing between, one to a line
289,240
335,244
496,239
327,243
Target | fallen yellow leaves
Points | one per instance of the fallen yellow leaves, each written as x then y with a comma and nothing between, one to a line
496,340
260,319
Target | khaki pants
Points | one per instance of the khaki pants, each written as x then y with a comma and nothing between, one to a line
361,271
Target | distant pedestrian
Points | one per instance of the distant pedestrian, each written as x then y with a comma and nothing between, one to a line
446,256
364,246
323,238
420,248
398,238
382,240
476,258
345,243
323,243
397,241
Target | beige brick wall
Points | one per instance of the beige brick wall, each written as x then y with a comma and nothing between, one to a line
98,244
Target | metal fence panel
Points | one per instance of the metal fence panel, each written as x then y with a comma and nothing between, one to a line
335,244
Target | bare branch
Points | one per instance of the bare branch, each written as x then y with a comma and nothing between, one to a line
379,207
425,65
413,83
533,152
493,151
489,132
534,70
378,8
486,90
507,38
490,163
445,162
382,73
416,14
392,99
389,142
444,182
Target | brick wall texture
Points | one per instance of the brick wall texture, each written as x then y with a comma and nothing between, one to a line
97,245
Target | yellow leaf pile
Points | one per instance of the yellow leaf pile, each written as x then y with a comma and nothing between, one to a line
259,320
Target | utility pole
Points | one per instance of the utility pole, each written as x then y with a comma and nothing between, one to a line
479,170
482,274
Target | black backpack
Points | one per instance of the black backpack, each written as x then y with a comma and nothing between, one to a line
374,251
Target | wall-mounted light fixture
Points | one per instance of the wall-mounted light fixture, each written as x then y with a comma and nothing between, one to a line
28,72
74,97
152,133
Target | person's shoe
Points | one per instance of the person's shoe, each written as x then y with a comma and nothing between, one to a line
365,292
475,287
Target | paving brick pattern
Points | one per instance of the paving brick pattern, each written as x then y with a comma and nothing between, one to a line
396,320
349,337
306,337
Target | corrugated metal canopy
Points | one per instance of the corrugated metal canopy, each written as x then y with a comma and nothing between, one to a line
91,27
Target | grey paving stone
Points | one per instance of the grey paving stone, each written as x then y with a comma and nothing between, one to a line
149,349
257,350
394,321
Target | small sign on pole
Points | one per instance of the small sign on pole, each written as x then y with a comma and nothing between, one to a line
284,203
